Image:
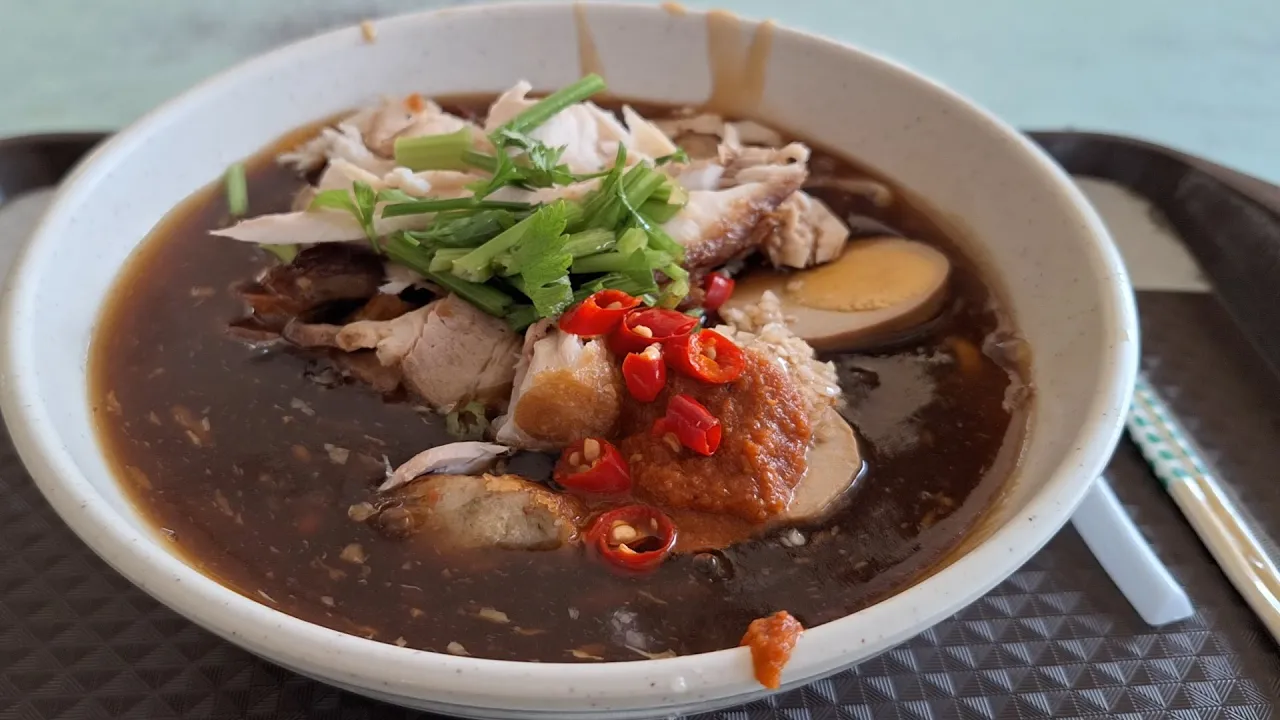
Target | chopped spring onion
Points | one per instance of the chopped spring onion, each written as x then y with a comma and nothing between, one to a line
420,207
677,287
522,316
632,239
465,229
442,260
434,152
549,106
620,261
477,265
404,250
589,242
237,190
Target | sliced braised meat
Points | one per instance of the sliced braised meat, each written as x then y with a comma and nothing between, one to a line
462,355
412,116
367,138
325,273
448,352
317,276
486,511
363,367
567,389
454,458
805,233
745,131
719,225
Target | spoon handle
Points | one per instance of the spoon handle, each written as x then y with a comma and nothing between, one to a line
1124,553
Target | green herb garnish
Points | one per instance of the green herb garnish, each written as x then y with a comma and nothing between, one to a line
237,190
360,201
434,152
286,253
549,106
520,261
468,422
679,156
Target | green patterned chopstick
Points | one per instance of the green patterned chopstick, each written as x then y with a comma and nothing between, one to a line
1214,516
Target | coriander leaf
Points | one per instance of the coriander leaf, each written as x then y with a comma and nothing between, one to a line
543,263
477,265
395,195
337,199
361,207
505,173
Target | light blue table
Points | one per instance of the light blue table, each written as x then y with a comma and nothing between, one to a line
1200,75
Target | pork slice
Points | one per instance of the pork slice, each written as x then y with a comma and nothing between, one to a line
568,389
644,138
744,131
487,511
412,116
716,226
342,142
462,354
448,352
805,232
391,339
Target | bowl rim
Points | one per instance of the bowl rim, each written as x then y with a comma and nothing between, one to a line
383,667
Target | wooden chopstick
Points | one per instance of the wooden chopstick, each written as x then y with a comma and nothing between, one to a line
1212,513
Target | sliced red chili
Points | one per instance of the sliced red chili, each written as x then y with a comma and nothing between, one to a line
645,373
691,424
716,290
593,465
633,537
707,356
598,314
642,327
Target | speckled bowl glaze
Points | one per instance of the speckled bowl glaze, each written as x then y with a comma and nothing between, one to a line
1031,227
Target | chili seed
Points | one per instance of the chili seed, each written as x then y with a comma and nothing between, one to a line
710,352
643,331
623,533
590,449
575,459
613,306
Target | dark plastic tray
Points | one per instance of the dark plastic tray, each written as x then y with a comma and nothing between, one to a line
1054,640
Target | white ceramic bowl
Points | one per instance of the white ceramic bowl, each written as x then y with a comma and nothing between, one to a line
1032,228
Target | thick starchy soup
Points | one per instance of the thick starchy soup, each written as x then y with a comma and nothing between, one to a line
558,380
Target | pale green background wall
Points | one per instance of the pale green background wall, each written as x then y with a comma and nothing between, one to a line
1197,74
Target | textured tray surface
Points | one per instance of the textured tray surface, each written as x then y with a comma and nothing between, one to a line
1055,640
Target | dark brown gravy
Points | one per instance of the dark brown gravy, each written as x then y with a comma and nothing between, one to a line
248,465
